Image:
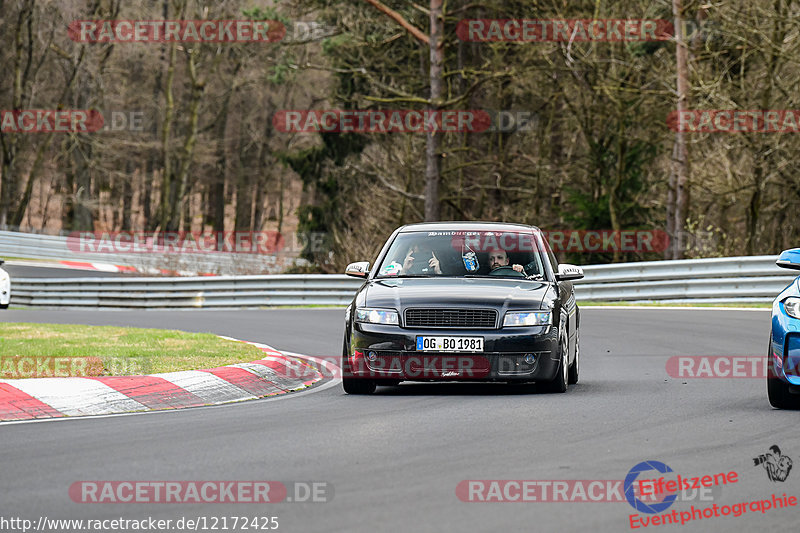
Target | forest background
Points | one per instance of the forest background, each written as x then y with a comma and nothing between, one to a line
190,143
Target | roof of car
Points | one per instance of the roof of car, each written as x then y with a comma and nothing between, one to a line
466,226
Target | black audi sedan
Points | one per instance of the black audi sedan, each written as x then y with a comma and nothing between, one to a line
462,301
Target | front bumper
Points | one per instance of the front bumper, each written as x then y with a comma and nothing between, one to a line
785,349
389,352
5,292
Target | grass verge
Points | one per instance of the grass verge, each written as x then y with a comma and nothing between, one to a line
43,350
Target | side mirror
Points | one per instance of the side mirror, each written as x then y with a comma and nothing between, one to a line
358,270
789,259
568,272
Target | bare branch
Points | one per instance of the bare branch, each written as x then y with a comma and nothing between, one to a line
394,15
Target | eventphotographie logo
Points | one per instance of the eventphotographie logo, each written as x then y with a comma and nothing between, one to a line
776,464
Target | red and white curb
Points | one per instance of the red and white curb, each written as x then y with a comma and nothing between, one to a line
275,374
105,267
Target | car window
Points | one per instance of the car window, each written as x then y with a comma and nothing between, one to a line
462,254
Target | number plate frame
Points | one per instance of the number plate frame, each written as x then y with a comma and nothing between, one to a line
449,344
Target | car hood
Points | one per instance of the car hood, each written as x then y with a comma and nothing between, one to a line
499,293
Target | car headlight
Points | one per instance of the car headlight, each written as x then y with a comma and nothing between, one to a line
377,316
528,318
792,306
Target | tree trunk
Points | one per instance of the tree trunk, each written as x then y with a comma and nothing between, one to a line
244,202
182,185
616,180
681,162
9,184
216,189
260,176
167,186
671,186
434,139
258,211
754,206
127,197
83,217
151,221
187,210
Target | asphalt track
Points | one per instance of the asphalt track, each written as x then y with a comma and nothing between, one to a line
394,459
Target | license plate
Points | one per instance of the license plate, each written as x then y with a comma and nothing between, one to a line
450,344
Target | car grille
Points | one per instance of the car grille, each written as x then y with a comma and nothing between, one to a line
451,318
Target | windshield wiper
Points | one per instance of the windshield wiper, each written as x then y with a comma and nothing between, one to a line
536,277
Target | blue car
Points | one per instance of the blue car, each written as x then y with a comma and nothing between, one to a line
783,377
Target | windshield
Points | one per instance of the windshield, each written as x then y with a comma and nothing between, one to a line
463,254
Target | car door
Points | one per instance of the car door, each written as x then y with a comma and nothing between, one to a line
566,296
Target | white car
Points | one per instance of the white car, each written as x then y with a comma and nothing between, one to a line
5,287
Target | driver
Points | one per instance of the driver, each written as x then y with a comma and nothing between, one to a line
499,258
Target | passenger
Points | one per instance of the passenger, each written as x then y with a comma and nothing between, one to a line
420,259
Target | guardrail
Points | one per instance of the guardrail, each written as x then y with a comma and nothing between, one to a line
186,292
40,246
734,279
716,280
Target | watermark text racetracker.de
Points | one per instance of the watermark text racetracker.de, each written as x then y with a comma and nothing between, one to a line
404,120
71,121
567,240
185,31
566,490
184,523
183,492
50,120
589,241
564,30
380,121
48,366
720,366
180,242
735,121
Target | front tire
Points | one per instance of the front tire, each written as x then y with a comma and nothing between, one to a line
778,390
350,383
572,377
559,383
358,386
